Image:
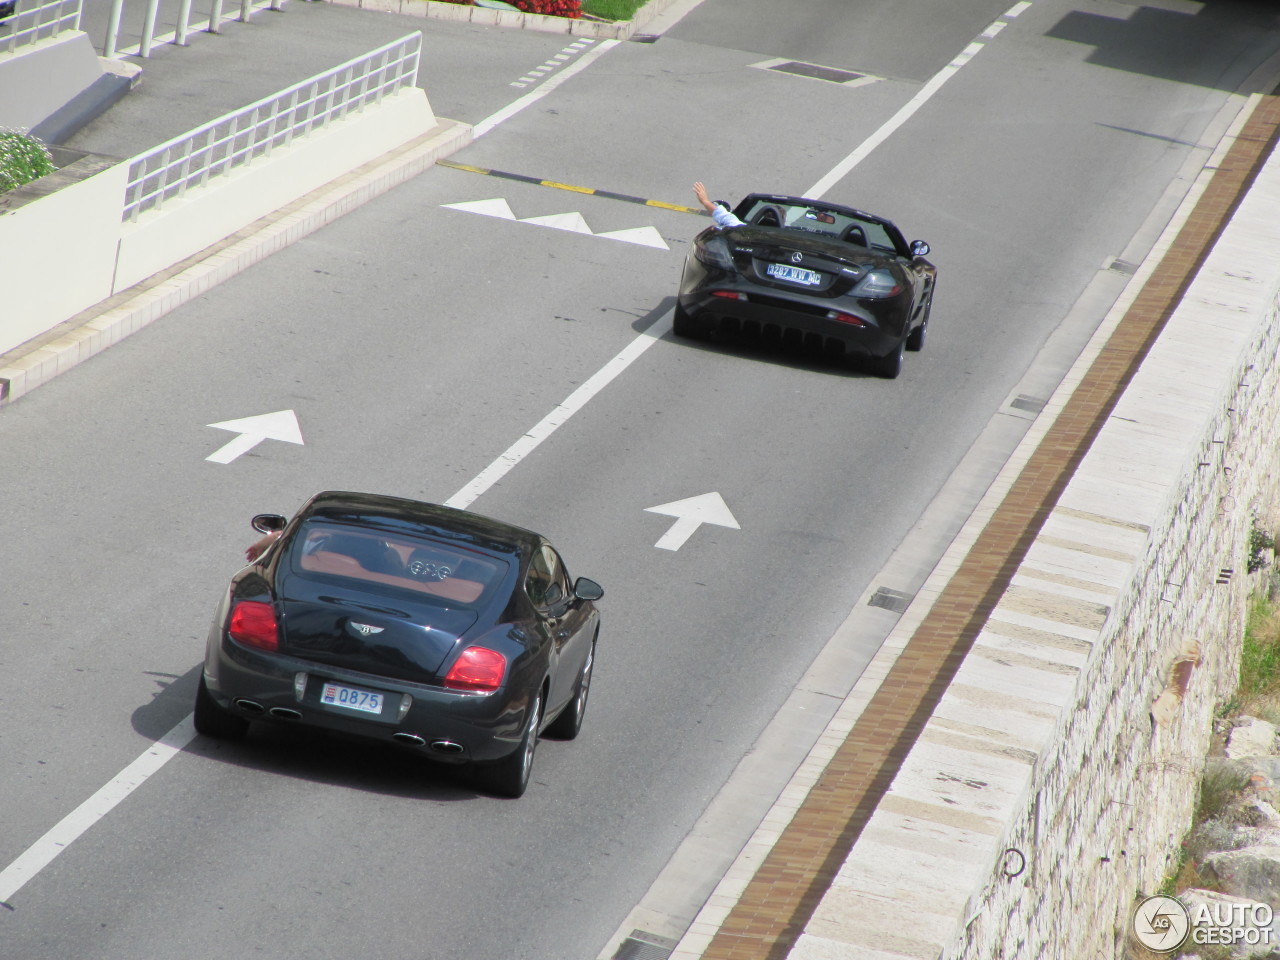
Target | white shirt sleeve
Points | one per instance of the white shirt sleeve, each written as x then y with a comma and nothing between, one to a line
724,218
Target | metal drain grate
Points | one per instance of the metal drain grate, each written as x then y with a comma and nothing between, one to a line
1125,267
642,945
816,72
644,38
1029,404
894,600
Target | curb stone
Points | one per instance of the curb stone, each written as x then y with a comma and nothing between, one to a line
437,10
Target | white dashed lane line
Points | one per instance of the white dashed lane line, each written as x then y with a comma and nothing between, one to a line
559,60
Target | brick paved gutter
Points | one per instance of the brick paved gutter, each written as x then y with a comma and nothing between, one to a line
773,908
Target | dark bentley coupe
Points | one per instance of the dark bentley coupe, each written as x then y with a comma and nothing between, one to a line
810,273
461,637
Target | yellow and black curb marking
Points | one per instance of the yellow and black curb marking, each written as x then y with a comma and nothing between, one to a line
555,185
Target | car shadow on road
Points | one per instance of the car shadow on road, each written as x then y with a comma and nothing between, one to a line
764,350
314,756
779,353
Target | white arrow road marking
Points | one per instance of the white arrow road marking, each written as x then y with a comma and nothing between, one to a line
690,514
281,425
574,222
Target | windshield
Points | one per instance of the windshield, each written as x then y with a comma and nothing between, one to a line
816,218
397,561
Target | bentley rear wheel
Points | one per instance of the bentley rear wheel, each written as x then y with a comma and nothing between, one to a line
509,776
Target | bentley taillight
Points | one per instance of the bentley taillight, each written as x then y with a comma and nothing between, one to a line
254,624
477,669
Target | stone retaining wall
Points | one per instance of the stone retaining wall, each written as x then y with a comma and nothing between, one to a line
1042,795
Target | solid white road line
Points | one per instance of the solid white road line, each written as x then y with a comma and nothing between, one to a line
556,418
908,110
38,856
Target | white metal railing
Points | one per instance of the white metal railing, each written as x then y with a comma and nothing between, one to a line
237,139
188,21
41,22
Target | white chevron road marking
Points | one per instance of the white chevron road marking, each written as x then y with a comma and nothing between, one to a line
486,208
573,222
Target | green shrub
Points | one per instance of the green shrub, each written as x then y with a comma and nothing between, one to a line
613,9
23,158
1260,656
1260,543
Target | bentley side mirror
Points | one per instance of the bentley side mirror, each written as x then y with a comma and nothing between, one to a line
919,248
269,523
585,589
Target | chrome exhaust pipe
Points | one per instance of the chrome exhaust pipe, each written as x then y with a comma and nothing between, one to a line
410,738
446,746
250,706
285,713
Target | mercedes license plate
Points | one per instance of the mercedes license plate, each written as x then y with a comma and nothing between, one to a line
792,274
366,701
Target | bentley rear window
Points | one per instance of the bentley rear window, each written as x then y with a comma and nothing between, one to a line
395,560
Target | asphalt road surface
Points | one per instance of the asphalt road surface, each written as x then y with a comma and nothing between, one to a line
415,342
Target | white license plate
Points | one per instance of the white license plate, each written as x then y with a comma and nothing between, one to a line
794,274
336,695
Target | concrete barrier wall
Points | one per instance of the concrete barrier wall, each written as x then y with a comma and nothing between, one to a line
230,202
73,223
1042,796
38,79
78,224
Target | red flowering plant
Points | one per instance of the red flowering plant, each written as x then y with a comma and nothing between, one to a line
553,8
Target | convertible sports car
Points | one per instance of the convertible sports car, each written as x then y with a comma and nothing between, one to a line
458,636
813,273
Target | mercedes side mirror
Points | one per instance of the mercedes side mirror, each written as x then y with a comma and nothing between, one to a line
269,523
919,248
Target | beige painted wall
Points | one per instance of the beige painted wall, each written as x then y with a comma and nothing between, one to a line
67,250
58,255
231,202
40,78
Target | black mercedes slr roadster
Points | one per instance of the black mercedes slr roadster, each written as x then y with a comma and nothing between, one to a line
459,637
813,274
